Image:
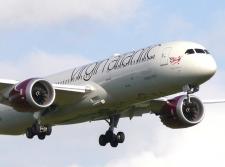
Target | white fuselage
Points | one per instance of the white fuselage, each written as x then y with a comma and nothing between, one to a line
121,81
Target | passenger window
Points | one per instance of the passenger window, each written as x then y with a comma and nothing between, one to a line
199,51
190,51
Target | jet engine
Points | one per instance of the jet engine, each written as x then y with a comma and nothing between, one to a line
179,113
32,95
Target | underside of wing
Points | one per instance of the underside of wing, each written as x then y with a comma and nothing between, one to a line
176,113
67,94
135,110
156,107
150,106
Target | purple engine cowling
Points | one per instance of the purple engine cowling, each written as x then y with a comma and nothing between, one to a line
178,113
32,95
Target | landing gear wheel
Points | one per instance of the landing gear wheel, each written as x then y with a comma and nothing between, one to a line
120,137
114,142
37,128
103,140
29,133
110,136
40,130
49,130
41,136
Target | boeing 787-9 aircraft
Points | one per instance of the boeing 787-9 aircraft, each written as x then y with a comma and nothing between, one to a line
124,85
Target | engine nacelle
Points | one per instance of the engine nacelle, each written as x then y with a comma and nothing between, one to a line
178,113
32,95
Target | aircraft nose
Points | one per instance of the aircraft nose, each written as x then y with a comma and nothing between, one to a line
209,67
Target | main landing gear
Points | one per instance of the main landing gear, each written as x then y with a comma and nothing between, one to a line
38,129
110,136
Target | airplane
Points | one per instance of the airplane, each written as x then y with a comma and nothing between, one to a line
121,86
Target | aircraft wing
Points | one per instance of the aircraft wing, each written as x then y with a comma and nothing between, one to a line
64,93
213,101
72,88
155,107
5,83
150,106
67,94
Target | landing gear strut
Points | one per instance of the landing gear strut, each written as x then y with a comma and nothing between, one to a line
110,136
38,129
189,107
190,89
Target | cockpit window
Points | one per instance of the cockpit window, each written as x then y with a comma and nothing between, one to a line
206,51
190,51
193,51
199,51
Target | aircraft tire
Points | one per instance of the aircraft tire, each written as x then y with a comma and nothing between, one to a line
49,130
29,133
120,137
41,136
114,141
103,140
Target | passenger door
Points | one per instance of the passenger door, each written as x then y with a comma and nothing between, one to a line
165,56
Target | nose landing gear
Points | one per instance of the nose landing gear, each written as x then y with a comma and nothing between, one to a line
190,89
110,136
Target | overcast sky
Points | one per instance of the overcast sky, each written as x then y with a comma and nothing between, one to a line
40,37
